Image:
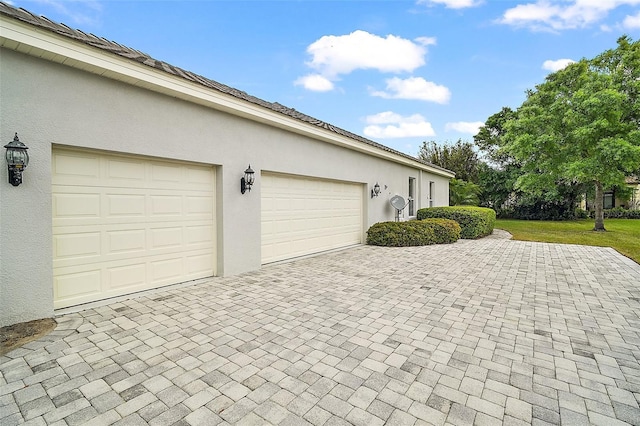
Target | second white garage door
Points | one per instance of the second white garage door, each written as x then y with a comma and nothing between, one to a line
122,224
303,215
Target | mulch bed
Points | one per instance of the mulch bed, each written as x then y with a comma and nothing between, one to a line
16,335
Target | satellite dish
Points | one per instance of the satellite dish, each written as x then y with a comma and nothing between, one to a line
398,202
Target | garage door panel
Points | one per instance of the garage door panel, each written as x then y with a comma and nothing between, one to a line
70,168
276,250
128,205
74,285
118,241
283,205
163,174
306,215
199,235
135,226
127,277
76,245
74,206
166,270
198,264
267,229
166,205
295,225
198,178
126,241
268,204
298,204
128,173
166,237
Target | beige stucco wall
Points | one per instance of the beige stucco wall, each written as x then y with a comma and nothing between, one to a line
636,198
633,203
50,104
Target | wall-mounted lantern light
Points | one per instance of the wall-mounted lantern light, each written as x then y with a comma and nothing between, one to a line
247,180
17,160
375,191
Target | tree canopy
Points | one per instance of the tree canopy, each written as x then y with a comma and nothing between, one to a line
580,126
459,157
490,137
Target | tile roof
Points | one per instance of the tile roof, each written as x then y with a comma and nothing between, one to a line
138,56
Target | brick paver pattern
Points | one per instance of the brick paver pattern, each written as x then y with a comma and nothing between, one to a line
480,332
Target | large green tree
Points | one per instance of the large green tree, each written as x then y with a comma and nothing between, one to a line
580,126
490,137
459,157
498,174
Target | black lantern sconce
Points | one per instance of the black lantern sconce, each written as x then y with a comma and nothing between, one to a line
247,181
17,160
375,191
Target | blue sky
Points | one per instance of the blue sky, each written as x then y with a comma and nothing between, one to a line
398,72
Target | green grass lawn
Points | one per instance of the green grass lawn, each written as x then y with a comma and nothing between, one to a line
622,234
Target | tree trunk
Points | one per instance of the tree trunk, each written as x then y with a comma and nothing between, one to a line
599,201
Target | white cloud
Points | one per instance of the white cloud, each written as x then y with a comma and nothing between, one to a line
452,4
631,22
531,13
426,41
315,82
387,117
556,65
414,88
335,55
471,127
554,15
332,56
389,125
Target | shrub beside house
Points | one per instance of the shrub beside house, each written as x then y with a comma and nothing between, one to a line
414,233
475,222
435,225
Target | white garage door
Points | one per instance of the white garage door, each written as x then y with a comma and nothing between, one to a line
305,215
122,224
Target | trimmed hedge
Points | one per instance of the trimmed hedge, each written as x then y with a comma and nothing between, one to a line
618,213
580,214
475,222
538,211
413,233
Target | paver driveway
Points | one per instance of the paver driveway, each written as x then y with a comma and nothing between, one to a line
477,332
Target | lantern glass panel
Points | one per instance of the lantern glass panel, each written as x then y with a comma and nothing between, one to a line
17,157
248,176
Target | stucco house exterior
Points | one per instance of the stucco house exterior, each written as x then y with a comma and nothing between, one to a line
135,167
633,203
613,198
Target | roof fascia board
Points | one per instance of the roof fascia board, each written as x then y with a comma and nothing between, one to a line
44,44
